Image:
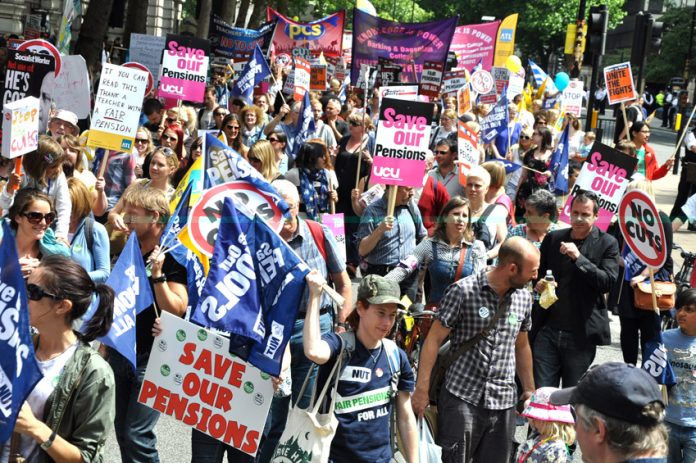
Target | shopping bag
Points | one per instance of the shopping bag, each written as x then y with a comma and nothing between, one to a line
428,451
308,433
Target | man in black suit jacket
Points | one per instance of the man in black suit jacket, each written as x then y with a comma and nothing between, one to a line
584,262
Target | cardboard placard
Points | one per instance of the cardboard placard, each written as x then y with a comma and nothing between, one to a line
71,88
403,135
501,76
572,98
184,68
317,79
642,228
192,377
515,85
399,92
453,81
482,82
337,224
147,50
619,80
431,79
117,106
467,143
606,173
302,78
463,100
20,127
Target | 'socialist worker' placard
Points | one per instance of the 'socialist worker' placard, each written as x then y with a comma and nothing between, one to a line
192,377
619,83
402,141
117,107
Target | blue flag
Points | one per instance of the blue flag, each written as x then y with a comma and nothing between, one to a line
540,76
655,358
496,121
19,371
132,291
255,71
559,165
304,130
510,166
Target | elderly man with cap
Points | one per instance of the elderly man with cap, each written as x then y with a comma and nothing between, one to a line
63,122
620,415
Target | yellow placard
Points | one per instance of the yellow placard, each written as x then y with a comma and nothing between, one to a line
570,39
505,41
109,141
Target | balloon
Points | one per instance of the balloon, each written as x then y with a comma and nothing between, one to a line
513,64
561,81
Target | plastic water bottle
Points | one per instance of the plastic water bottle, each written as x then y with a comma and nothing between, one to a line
549,276
548,295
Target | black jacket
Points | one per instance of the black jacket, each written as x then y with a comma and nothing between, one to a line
596,270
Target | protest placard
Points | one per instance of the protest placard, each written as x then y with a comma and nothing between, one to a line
184,68
341,70
431,79
496,121
192,377
606,173
117,107
147,50
317,78
302,78
475,43
467,143
289,84
500,76
403,135
642,228
28,74
399,92
235,42
71,89
20,127
482,82
337,224
388,72
572,98
453,81
619,82
515,85
463,100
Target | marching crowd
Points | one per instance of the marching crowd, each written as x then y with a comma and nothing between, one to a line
480,254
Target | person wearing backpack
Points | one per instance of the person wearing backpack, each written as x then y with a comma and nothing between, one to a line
489,221
376,379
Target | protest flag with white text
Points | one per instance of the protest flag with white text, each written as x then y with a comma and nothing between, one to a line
559,165
496,121
132,291
305,127
19,371
655,360
254,72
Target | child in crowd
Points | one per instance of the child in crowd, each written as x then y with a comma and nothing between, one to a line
681,354
552,427
584,150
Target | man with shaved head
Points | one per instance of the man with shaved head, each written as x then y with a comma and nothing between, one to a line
487,316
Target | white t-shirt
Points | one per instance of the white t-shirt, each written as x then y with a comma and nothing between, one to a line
690,208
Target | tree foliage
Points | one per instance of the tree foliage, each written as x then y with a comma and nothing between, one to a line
675,47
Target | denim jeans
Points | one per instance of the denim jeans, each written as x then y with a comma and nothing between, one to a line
134,423
558,357
682,444
300,364
206,449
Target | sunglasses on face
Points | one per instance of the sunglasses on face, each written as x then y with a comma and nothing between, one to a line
169,137
141,140
442,152
36,293
196,147
35,218
525,137
255,160
272,140
355,124
170,121
232,127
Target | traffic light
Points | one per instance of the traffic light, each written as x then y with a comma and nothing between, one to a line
656,31
640,33
597,22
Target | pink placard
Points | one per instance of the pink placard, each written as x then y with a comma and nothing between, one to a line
474,43
604,216
400,172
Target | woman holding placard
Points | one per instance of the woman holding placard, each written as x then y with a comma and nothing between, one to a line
647,160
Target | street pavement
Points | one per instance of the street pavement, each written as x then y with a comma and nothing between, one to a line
174,438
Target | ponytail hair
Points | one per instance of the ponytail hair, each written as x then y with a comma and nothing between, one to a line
68,280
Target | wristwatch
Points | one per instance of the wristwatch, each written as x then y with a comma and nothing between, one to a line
160,279
49,442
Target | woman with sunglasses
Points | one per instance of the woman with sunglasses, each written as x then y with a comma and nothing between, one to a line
31,216
195,151
538,160
647,159
70,412
43,170
171,138
89,240
163,165
143,147
279,142
262,157
314,178
252,124
231,127
516,155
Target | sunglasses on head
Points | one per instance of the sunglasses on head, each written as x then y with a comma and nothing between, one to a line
35,218
36,293
169,137
166,151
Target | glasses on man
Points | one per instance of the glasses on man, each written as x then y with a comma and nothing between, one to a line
36,293
35,218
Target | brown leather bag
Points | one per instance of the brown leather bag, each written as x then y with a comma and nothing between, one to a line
665,293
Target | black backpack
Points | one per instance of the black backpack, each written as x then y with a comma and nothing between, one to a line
481,231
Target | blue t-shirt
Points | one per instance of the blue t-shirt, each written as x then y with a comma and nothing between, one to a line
681,353
364,403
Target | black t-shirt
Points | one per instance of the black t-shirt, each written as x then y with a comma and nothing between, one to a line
561,314
143,324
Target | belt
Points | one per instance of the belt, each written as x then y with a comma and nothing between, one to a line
324,310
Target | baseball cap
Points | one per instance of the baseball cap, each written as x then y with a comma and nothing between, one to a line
376,289
67,116
614,389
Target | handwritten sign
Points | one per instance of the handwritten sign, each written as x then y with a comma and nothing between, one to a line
402,141
192,377
147,50
20,127
117,107
619,81
71,89
184,68
302,78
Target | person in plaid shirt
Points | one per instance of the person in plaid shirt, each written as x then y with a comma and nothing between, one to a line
476,418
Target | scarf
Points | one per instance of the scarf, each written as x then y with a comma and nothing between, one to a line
314,187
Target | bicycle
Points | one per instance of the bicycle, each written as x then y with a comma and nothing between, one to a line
684,279
411,327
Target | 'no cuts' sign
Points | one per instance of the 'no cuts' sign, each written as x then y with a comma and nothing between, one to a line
642,228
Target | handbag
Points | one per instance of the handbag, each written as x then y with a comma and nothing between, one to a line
428,450
445,357
665,293
308,433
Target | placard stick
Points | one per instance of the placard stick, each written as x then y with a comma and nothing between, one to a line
359,151
332,205
280,92
533,170
652,290
391,204
681,138
105,161
365,136
18,171
623,111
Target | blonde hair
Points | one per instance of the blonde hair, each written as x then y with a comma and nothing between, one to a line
80,197
263,150
642,185
145,197
497,172
555,430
